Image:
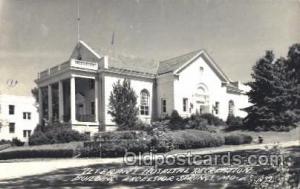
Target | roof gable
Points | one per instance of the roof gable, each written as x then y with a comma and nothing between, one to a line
211,63
84,52
172,64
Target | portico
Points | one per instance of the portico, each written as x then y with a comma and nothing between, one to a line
69,94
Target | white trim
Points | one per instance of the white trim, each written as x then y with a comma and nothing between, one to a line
188,62
210,62
89,48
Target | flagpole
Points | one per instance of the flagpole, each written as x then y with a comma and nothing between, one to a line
78,22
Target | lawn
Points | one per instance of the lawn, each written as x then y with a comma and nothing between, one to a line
122,176
273,136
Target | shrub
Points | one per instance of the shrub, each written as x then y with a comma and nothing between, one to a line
59,153
233,121
197,122
5,142
56,134
42,151
162,125
17,142
161,142
236,139
141,125
120,135
190,138
116,144
176,121
212,120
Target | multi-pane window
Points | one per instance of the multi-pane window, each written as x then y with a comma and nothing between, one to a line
27,115
164,105
11,109
26,133
144,106
11,127
185,104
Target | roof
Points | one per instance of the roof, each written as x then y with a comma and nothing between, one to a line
173,64
133,63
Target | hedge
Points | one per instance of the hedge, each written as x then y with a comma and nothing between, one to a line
55,134
116,144
236,139
191,138
66,150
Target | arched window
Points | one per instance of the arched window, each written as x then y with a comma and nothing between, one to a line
231,108
144,105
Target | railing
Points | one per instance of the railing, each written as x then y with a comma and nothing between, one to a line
67,65
43,74
85,118
84,64
54,70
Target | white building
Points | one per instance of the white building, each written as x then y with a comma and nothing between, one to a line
18,117
77,91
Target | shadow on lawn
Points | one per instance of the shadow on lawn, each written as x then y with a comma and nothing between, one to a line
62,179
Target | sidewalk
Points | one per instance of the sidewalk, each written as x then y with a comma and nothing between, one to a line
19,168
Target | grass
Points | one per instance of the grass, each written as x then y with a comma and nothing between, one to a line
272,136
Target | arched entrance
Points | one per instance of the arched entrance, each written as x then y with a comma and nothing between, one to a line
200,100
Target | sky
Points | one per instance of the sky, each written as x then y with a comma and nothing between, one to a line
37,34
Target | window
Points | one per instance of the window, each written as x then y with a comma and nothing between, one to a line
217,104
91,83
185,104
93,108
144,108
11,127
11,109
27,115
164,105
231,107
26,133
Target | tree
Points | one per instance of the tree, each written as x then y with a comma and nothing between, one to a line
273,94
259,114
293,62
122,105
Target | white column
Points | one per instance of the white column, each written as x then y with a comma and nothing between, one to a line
41,110
96,100
50,111
61,101
72,100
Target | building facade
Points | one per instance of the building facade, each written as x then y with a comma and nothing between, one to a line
77,91
18,117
